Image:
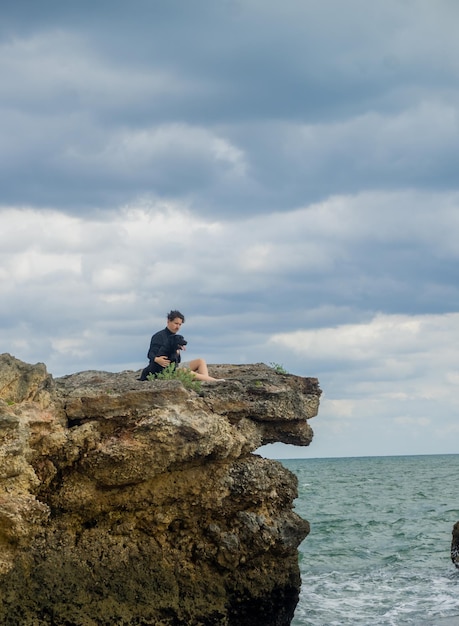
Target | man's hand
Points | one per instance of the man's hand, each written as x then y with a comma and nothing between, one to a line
162,360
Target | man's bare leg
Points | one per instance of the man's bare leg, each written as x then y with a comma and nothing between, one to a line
199,369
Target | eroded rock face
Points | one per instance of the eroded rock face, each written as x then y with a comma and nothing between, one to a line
455,545
127,502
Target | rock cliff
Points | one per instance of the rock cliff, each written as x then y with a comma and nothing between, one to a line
455,545
126,502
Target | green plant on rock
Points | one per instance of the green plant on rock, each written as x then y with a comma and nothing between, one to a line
279,369
185,376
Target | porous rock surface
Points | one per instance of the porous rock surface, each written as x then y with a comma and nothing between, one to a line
125,502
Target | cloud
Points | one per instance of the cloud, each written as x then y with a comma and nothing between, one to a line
362,342
393,350
237,107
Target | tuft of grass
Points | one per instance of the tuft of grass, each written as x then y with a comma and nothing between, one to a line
182,374
280,369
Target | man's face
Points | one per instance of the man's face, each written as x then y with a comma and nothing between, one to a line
174,325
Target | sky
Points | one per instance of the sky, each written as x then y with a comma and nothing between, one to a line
284,173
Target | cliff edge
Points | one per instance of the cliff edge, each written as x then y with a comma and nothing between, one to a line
126,502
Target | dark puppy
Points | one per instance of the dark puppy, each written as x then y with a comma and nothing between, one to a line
177,342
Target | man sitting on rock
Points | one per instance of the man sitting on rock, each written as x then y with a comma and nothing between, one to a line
165,348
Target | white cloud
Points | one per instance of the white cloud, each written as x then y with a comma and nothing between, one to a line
384,335
133,154
70,348
400,348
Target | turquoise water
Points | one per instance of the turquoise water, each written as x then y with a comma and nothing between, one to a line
379,549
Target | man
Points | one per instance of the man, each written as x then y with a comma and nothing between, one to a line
165,347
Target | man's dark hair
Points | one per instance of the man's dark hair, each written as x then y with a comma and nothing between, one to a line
173,314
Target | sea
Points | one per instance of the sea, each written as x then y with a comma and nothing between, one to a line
378,553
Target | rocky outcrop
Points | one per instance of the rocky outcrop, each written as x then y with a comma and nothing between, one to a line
455,545
126,502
